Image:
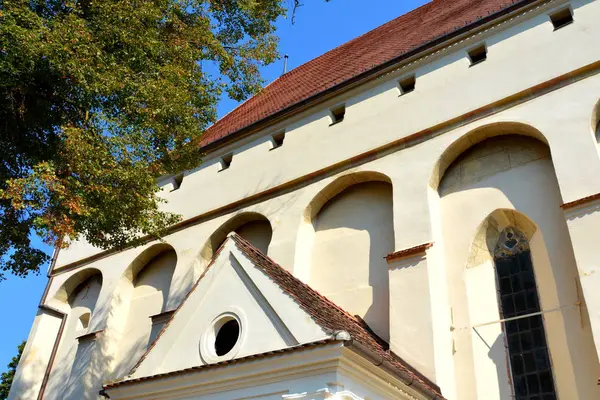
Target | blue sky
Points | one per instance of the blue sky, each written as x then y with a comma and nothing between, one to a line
319,27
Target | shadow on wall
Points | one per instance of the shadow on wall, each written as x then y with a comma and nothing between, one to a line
489,157
465,146
596,124
70,375
508,180
132,315
119,327
353,232
142,298
253,227
497,353
30,366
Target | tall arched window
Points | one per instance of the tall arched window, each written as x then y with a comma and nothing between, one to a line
525,333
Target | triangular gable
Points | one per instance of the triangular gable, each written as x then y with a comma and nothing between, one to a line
231,286
294,311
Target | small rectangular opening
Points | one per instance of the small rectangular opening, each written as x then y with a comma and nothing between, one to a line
226,161
177,181
478,54
407,85
277,140
337,114
561,18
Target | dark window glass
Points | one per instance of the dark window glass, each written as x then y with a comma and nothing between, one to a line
561,18
227,337
526,338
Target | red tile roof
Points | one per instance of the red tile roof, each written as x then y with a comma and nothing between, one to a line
400,37
326,313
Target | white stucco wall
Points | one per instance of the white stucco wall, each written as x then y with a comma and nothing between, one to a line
514,176
258,233
435,292
269,319
69,377
37,353
148,298
353,233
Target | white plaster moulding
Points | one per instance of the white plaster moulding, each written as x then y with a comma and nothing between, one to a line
304,363
371,376
207,340
331,358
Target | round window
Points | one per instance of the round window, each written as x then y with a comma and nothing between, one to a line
223,337
226,337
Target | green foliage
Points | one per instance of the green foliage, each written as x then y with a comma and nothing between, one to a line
6,378
100,97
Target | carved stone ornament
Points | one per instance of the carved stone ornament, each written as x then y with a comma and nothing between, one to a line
510,243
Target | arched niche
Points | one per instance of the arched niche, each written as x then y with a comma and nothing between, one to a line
348,230
596,123
139,303
490,157
78,297
73,283
144,258
83,299
337,186
491,182
252,226
466,142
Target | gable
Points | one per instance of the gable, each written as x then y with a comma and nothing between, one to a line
285,314
231,289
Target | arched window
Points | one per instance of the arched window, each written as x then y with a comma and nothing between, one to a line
525,333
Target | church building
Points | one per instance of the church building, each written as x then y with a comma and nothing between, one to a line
413,215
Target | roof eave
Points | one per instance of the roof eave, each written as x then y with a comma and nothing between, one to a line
367,75
426,388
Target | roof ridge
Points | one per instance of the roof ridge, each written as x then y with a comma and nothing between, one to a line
407,34
361,36
328,52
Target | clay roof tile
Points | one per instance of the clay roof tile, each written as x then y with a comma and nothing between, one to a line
386,43
326,313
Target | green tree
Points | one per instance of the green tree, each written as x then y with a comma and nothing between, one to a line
6,378
99,98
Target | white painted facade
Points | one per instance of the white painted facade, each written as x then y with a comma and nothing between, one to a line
511,142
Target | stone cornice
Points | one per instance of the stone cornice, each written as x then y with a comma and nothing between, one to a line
162,317
308,363
410,252
89,336
581,201
239,375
